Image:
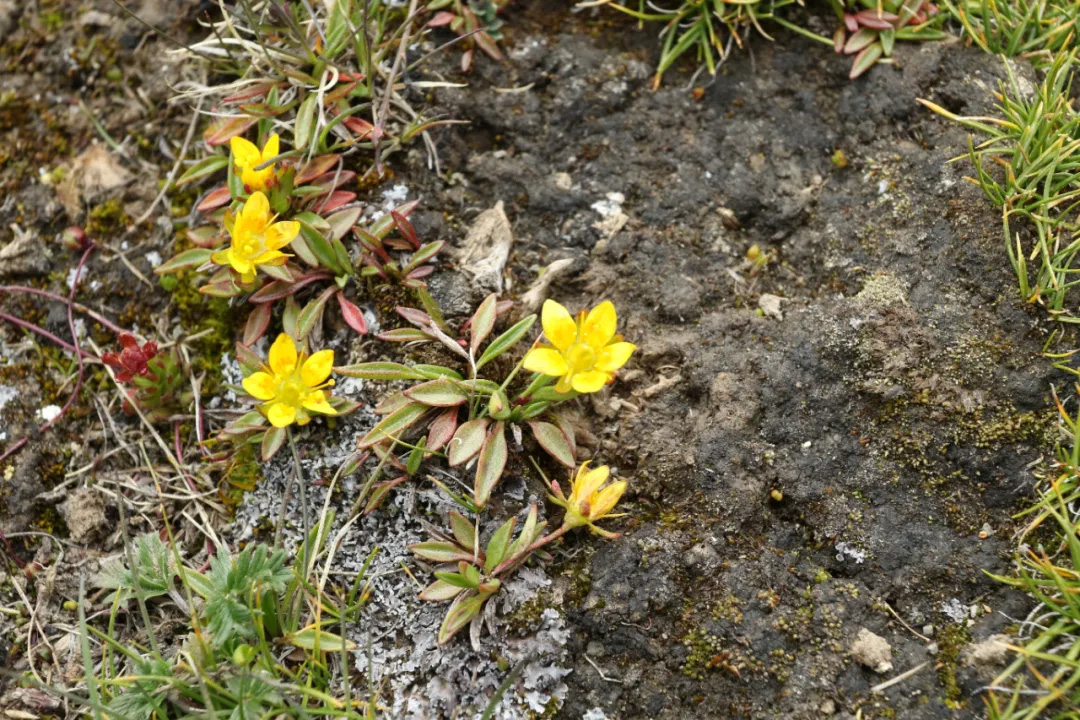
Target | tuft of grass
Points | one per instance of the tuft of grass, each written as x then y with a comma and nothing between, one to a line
1033,29
1029,167
1044,678
707,28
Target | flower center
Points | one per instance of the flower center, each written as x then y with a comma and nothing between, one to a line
580,357
251,246
290,393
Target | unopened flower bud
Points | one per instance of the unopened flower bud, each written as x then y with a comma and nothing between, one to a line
75,239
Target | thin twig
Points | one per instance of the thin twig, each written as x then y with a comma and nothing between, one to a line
898,679
176,166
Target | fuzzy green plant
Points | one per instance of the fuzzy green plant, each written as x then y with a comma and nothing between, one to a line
1029,167
238,614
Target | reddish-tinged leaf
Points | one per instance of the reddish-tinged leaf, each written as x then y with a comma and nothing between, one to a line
331,180
256,91
312,312
441,392
226,129
316,168
467,441
257,322
864,60
215,199
464,608
850,22
414,316
391,403
482,322
362,128
380,491
423,254
404,335
206,236
442,429
333,201
487,44
405,228
838,40
554,442
354,316
878,21
272,442
382,227
440,552
421,272
466,60
440,591
859,40
441,19
248,360
339,92
393,424
277,289
490,468
187,259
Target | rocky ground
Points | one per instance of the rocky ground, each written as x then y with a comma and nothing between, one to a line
837,404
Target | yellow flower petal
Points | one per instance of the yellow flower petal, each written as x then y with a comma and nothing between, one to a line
565,384
281,415
591,381
599,326
271,149
545,361
614,356
245,154
589,481
283,355
260,385
559,328
221,257
256,213
247,278
281,234
271,257
607,498
240,264
316,402
317,368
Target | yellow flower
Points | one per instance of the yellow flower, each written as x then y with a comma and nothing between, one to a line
248,157
292,385
256,239
589,501
586,353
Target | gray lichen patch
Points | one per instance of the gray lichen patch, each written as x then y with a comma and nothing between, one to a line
397,632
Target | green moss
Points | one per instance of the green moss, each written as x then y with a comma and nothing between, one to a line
951,640
107,219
